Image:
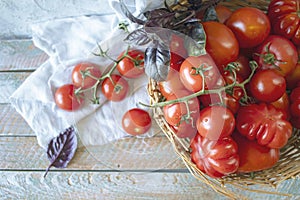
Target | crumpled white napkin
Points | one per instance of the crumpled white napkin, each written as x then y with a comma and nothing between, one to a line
68,41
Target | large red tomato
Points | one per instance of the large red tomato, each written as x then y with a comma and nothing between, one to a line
215,122
265,124
199,72
277,52
221,43
251,26
215,158
253,156
285,19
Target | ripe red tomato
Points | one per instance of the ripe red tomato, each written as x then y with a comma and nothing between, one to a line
136,121
185,130
132,66
215,122
295,94
176,114
221,43
265,124
253,156
277,52
285,19
243,68
295,102
251,26
85,74
191,70
283,104
267,85
215,158
223,13
116,88
66,99
171,84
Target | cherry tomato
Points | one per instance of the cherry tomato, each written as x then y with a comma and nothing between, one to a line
136,121
223,13
267,85
193,68
66,99
215,122
293,78
243,68
177,113
85,74
277,52
264,123
185,130
171,84
132,65
115,89
253,156
221,43
215,158
285,20
251,26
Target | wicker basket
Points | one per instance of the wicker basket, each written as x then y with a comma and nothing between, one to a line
287,167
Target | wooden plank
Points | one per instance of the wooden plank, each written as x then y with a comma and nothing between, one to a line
24,153
9,82
117,185
12,123
20,55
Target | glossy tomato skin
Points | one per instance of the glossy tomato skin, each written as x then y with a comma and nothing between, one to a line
223,13
283,103
175,114
278,53
264,123
136,121
250,25
171,84
191,69
285,19
243,68
221,43
253,156
132,65
215,158
215,122
267,85
66,99
85,74
115,89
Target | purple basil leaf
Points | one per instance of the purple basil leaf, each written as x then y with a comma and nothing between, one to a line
61,149
138,37
129,15
160,17
157,61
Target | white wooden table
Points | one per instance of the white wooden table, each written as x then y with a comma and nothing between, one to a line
100,174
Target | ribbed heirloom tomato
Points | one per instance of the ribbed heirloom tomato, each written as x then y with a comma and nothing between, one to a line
285,19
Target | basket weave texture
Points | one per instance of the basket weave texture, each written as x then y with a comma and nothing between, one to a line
286,168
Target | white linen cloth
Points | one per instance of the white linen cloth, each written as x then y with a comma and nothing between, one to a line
68,41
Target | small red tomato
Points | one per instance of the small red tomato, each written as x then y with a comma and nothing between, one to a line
264,123
251,26
253,156
224,49
116,88
216,158
278,53
196,70
132,65
267,85
85,74
66,99
243,68
136,121
215,122
185,130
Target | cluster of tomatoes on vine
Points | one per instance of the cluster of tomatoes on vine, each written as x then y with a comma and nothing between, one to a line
240,102
87,77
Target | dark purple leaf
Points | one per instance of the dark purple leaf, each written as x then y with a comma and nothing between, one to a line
138,37
157,61
61,149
